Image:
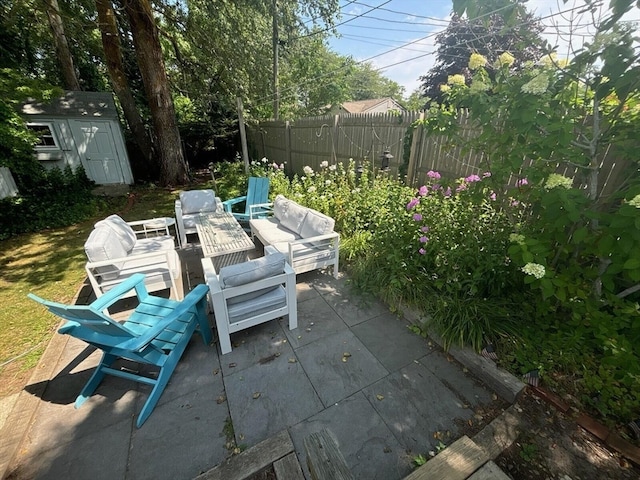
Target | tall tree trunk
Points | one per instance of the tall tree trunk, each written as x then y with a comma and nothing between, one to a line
113,55
173,168
62,47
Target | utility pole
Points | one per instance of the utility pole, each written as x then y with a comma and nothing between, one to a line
276,89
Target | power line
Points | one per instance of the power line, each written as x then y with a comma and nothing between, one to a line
262,101
339,24
408,14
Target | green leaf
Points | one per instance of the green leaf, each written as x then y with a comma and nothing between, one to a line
632,264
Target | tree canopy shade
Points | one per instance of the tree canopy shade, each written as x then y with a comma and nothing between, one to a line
185,62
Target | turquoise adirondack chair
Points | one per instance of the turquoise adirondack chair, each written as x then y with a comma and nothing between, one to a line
156,333
257,193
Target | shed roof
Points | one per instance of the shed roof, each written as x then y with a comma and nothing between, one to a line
74,104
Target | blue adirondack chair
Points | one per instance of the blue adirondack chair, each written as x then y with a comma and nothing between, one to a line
257,193
156,333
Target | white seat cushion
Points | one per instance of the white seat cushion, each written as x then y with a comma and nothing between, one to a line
274,298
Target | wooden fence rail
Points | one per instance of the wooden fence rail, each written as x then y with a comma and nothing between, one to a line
336,139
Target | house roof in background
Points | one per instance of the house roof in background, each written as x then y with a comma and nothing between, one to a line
364,106
74,104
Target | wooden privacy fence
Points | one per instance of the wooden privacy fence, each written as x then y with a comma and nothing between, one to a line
338,138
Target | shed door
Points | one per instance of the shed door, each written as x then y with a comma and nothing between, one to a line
97,149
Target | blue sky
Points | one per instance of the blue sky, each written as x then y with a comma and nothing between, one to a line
374,27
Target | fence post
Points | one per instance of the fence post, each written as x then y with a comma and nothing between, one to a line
416,138
334,138
243,136
287,147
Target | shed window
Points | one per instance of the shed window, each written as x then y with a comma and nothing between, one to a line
45,134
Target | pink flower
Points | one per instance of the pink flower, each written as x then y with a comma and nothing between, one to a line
472,179
436,186
424,229
424,239
461,187
435,175
522,182
493,196
417,217
422,251
515,203
486,174
412,203
423,190
447,192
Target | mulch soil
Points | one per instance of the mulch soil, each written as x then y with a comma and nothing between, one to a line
552,446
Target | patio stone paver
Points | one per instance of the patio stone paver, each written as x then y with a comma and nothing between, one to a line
368,446
392,343
304,388
161,450
255,345
316,320
98,455
335,376
286,397
449,371
415,404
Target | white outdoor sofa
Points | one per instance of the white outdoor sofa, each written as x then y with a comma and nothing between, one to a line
115,253
305,236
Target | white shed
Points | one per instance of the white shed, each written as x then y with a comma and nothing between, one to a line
81,128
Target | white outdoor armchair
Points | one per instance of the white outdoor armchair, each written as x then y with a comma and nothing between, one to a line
190,204
250,293
115,253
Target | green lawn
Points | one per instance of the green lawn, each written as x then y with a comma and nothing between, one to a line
51,265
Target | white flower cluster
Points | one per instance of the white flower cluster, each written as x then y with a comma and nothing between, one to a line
476,61
308,170
516,238
537,85
324,164
534,269
506,59
456,79
556,180
635,201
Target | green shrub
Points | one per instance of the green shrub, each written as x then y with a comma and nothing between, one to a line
57,199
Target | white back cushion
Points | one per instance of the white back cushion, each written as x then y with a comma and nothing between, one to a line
196,201
316,223
290,214
124,232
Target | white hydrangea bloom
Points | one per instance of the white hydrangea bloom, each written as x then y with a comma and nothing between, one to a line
635,201
506,59
516,238
534,269
456,79
308,170
537,85
333,167
477,61
324,164
311,189
556,180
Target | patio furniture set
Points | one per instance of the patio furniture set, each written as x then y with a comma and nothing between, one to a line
128,259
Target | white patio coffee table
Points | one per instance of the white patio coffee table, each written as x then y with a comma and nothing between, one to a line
223,239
